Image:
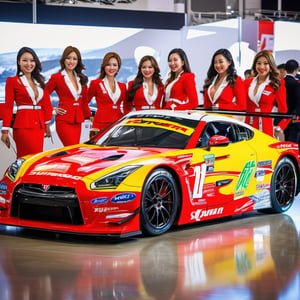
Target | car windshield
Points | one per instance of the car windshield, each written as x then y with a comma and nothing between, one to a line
150,131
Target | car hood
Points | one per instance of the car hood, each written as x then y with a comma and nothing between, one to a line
82,161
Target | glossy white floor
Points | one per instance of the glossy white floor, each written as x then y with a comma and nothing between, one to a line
251,257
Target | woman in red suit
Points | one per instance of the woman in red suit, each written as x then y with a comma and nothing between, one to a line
70,85
109,93
264,91
146,91
180,88
223,89
34,109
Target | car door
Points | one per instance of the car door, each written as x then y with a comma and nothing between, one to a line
224,172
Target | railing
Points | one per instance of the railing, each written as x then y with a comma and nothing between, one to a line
206,17
196,18
273,15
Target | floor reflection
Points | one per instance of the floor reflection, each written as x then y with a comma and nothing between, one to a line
252,257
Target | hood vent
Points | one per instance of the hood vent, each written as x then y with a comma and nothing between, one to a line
113,157
61,153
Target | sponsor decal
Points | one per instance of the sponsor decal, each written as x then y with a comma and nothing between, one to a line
283,146
68,176
160,124
123,198
263,186
210,169
209,159
53,167
261,200
100,200
260,175
238,194
264,163
105,209
3,188
2,200
200,213
245,175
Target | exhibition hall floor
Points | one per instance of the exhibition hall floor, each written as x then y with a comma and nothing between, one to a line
251,257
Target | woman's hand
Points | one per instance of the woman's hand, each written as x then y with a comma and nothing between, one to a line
59,111
47,131
5,139
94,132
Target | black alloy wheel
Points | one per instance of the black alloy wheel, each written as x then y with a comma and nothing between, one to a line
283,185
159,202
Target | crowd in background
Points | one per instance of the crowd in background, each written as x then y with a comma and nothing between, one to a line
265,88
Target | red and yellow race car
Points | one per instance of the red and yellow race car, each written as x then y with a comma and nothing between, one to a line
149,171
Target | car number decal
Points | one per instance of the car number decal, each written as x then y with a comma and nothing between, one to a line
199,172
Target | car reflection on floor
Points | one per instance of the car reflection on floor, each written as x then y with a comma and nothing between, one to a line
256,257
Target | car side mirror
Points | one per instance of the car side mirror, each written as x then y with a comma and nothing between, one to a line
218,140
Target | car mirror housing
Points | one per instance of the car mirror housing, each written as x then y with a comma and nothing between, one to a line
218,140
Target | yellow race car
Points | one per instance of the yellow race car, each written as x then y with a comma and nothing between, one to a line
148,171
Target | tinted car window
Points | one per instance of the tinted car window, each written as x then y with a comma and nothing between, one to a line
243,133
217,128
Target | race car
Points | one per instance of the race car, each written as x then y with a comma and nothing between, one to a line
148,171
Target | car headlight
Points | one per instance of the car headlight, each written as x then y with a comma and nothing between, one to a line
14,168
112,180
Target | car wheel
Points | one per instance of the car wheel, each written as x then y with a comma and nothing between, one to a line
159,202
283,186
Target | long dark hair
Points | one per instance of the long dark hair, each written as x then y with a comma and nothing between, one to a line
105,61
38,66
186,67
274,74
80,66
231,72
138,81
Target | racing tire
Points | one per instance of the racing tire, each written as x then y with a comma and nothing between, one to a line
159,202
283,186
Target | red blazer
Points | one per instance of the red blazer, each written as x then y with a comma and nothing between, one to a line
266,104
140,102
183,93
27,116
107,110
225,100
76,110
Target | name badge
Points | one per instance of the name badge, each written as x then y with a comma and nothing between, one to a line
267,93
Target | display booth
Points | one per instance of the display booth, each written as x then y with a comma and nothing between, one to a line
199,42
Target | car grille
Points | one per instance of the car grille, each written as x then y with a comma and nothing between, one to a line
46,203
